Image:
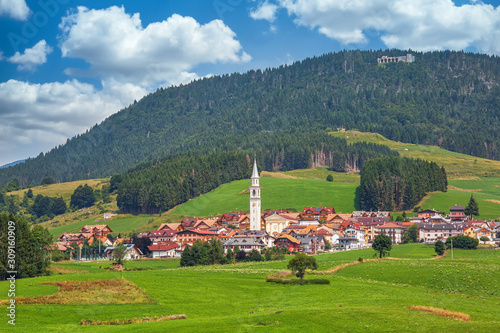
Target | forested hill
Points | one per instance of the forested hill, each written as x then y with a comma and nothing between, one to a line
450,99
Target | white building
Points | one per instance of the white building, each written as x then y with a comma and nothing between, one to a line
255,199
358,234
164,250
276,223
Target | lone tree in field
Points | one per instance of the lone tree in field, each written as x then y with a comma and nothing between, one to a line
472,208
439,247
119,253
382,244
300,263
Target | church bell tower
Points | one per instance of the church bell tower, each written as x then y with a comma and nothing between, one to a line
255,199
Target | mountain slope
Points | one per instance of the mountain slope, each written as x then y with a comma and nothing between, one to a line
449,99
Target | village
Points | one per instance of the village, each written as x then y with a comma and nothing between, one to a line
312,231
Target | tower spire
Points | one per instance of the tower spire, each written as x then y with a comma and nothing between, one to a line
255,198
255,171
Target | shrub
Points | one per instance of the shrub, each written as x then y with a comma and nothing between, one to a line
318,281
439,248
298,282
462,242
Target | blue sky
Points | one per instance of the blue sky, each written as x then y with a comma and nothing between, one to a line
67,65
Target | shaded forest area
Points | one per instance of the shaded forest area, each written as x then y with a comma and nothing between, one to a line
446,98
160,185
393,183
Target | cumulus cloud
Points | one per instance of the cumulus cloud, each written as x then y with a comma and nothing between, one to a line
419,24
35,117
119,48
264,11
130,61
33,57
16,9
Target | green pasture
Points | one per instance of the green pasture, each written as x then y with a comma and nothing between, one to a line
457,165
118,225
319,173
277,193
372,296
486,191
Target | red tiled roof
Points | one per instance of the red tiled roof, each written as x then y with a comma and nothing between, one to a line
390,225
163,247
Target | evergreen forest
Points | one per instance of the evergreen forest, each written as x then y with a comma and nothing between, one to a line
394,183
445,98
160,185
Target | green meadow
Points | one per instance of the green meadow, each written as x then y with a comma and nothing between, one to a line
457,165
373,296
486,191
277,193
122,224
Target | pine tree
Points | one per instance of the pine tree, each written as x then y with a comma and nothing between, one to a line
472,208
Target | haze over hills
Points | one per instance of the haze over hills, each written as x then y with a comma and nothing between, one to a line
449,99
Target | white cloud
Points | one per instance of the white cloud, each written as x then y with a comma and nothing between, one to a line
36,117
17,9
419,24
37,55
264,11
118,48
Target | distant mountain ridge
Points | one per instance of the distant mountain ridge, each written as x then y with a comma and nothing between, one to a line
444,98
11,164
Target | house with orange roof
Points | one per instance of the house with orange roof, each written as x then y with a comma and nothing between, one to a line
288,242
96,230
67,238
171,226
205,224
188,237
338,218
162,236
484,232
316,213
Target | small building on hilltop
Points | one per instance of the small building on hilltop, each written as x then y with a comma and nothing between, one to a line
407,58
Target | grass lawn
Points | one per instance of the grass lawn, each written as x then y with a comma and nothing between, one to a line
277,193
372,296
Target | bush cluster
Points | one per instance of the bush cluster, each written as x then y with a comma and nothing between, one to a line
298,281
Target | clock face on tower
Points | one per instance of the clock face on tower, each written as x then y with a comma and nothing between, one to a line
253,205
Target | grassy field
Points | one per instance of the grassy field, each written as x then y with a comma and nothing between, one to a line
123,224
276,193
486,191
315,174
372,296
458,166
64,190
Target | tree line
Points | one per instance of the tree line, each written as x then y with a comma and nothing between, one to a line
394,183
32,247
158,186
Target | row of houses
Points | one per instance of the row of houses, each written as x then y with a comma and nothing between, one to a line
308,231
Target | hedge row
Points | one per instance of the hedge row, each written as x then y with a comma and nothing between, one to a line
297,281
